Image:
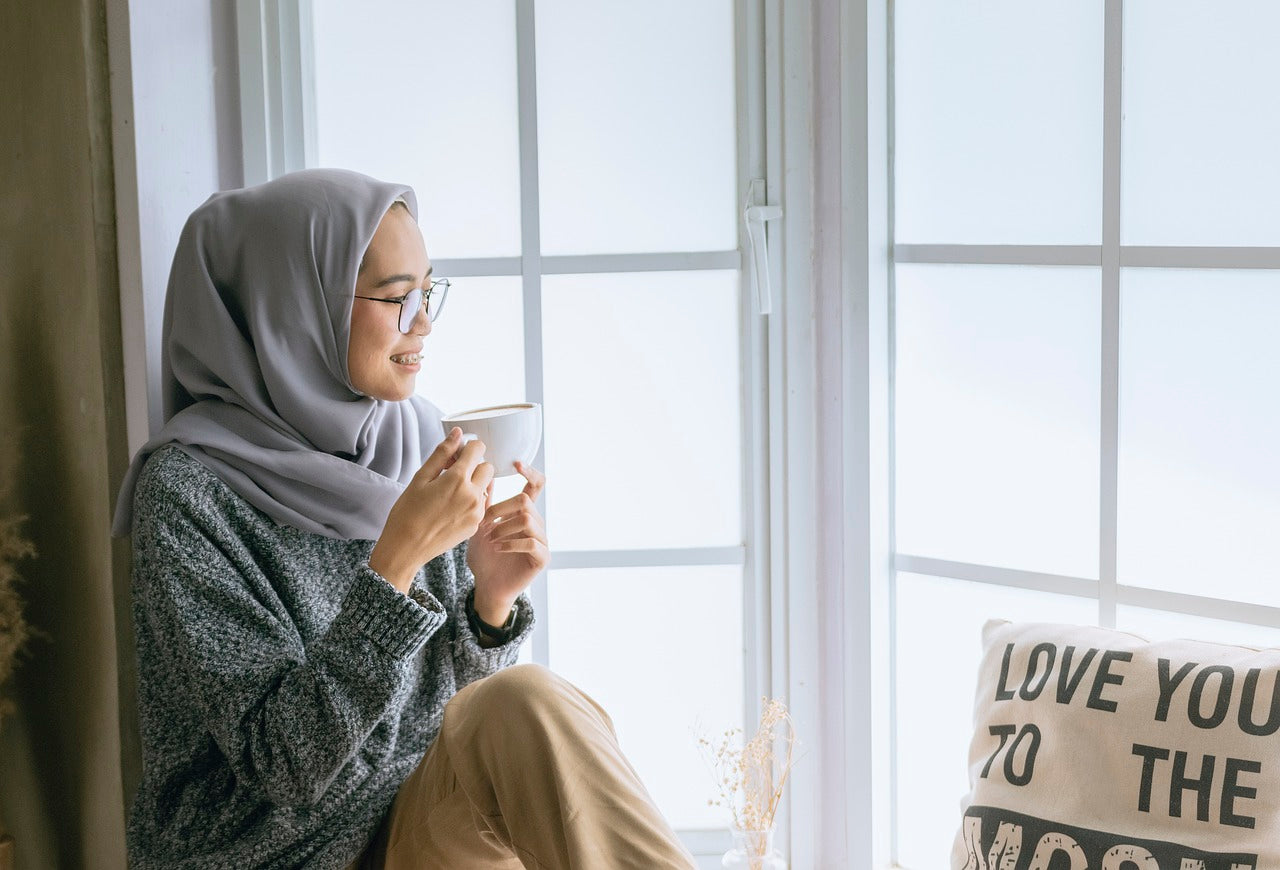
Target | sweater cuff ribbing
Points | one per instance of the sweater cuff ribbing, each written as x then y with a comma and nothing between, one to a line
396,623
487,660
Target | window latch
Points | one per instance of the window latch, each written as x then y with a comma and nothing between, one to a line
756,214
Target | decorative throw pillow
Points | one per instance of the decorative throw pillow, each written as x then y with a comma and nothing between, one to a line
1098,750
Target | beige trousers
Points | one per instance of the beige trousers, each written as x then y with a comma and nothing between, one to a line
526,772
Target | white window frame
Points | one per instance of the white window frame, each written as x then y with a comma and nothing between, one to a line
277,106
1111,256
830,354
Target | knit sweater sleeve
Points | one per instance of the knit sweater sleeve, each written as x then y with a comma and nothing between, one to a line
287,718
471,661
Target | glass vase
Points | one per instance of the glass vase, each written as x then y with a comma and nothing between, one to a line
752,850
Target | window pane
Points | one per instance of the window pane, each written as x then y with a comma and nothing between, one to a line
998,108
474,356
661,650
636,139
996,416
424,92
643,410
1199,474
939,648
1201,123
1162,625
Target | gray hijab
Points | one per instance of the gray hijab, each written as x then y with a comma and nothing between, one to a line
256,324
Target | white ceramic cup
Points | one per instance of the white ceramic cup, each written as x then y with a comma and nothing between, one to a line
509,433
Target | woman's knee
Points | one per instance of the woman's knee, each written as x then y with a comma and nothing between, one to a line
517,686
529,698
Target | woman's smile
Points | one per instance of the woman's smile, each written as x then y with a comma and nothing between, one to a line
408,360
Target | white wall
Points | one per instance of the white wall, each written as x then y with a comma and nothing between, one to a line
176,137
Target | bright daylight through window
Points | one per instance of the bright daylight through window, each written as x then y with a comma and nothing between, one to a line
1086,291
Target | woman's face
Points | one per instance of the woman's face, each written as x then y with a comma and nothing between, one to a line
382,361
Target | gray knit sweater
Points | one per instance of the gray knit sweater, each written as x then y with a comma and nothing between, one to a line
286,690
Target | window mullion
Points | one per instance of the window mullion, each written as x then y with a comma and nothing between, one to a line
648,558
1109,436
792,417
1199,606
1199,257
761,675
531,271
1000,255
255,106
662,261
1056,584
277,87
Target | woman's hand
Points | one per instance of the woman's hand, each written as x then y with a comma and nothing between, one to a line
440,508
509,549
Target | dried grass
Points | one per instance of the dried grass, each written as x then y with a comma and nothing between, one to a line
14,630
750,776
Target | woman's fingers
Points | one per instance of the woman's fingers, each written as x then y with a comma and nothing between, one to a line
482,476
526,545
518,526
443,456
470,456
510,507
523,500
537,480
517,517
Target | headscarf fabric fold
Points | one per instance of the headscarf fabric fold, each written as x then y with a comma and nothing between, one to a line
255,382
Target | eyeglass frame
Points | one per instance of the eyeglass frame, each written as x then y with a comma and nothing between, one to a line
424,304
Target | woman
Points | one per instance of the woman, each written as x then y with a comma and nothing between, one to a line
326,606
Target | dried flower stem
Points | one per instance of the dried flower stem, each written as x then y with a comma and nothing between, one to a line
750,776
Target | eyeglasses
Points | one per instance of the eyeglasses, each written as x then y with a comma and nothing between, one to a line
411,303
